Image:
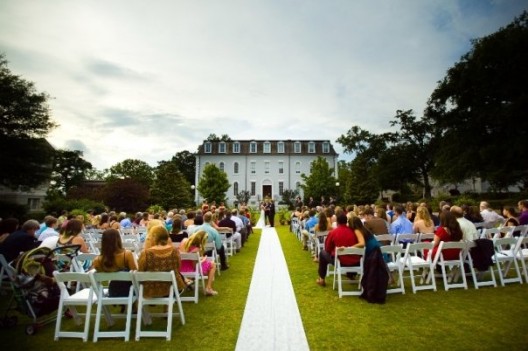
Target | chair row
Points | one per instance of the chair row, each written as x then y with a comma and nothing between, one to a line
455,260
93,290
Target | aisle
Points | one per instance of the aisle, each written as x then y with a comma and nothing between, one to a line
271,318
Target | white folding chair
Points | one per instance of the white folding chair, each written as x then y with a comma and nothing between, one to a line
490,233
505,255
143,301
406,239
477,275
521,251
395,264
85,297
211,247
455,266
414,260
8,274
101,281
427,237
196,275
319,241
340,270
228,242
385,239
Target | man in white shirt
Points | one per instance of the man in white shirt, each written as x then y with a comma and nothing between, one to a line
469,231
491,217
241,228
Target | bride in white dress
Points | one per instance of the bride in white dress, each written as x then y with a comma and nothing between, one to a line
261,223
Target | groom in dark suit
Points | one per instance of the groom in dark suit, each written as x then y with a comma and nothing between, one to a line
272,213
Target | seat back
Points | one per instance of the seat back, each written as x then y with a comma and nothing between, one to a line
406,238
505,256
196,275
340,269
418,256
426,237
385,239
395,264
452,268
490,233
477,275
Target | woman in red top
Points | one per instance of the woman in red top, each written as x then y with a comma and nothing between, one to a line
448,230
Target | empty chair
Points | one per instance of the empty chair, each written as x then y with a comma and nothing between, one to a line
415,259
395,264
340,270
85,297
105,298
505,256
452,267
144,300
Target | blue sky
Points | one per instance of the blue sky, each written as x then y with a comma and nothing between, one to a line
146,79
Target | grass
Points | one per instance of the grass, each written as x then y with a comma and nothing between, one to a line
484,319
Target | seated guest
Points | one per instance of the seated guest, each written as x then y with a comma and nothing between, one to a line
491,218
240,227
309,225
114,258
472,214
523,208
7,226
197,222
162,256
423,222
196,243
469,231
214,236
227,222
510,216
400,224
124,221
71,235
449,230
342,236
51,229
177,234
149,239
323,225
375,225
20,240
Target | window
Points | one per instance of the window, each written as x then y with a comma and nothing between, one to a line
297,147
266,167
281,188
253,188
221,166
207,148
252,167
297,167
236,147
253,147
281,167
235,188
280,147
311,147
267,147
326,147
33,203
222,147
235,168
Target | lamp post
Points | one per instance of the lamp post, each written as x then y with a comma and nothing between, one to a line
337,192
194,194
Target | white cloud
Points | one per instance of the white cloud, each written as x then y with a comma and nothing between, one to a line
137,79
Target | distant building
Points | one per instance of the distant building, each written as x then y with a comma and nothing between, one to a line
265,168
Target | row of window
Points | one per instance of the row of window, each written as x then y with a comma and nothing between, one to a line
253,166
254,188
266,147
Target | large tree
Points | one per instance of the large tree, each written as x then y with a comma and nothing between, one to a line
170,188
185,162
24,123
213,184
480,109
127,195
69,169
321,180
137,170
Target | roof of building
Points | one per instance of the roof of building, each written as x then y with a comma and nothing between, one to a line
289,147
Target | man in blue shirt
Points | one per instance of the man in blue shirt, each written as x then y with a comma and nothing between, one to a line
214,236
400,223
308,227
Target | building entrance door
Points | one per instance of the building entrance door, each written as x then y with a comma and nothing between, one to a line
266,191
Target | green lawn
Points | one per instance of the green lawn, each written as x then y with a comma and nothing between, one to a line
484,319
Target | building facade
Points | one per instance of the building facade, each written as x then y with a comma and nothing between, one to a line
265,168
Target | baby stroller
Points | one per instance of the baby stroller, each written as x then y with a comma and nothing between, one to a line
34,290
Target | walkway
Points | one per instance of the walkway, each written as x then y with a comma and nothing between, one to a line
271,318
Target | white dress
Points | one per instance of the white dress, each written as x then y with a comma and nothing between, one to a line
261,223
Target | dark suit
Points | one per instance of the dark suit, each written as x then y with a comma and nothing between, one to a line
272,214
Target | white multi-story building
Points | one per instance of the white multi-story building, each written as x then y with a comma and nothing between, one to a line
265,168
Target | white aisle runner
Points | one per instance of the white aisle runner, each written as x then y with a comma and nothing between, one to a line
271,318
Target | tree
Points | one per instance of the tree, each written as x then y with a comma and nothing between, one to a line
213,184
214,137
24,123
243,196
127,195
95,174
321,181
186,163
170,188
360,187
480,110
69,169
137,170
288,197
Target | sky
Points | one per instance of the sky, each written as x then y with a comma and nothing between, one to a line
132,79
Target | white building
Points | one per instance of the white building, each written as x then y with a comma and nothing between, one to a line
265,168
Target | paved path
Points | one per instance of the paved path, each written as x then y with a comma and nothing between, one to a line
271,318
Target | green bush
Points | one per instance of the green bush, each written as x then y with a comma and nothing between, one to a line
58,204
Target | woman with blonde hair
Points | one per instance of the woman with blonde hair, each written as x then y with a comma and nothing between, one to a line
196,243
423,222
162,256
150,238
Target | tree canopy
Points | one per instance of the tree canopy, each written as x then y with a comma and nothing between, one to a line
185,162
170,188
321,181
138,170
69,169
213,184
480,110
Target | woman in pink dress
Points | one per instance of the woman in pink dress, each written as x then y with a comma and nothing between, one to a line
196,243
